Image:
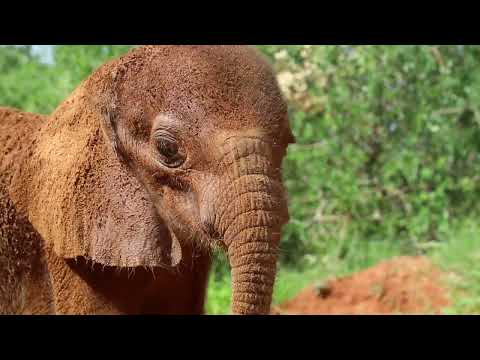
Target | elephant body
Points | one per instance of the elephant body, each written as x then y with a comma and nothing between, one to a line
114,203
34,280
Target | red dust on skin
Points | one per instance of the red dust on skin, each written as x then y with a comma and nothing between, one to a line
404,285
103,203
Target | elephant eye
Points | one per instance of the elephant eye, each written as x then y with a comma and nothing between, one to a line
168,148
169,152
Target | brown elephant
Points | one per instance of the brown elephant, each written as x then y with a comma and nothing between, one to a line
113,203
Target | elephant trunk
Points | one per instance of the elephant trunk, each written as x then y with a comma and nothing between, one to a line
253,267
253,212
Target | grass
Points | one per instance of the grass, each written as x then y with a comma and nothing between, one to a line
458,254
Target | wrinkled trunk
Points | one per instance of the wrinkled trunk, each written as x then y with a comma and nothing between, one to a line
253,272
254,209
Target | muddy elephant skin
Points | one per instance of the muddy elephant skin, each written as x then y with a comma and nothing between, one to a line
113,203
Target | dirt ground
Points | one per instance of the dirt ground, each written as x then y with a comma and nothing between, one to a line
403,285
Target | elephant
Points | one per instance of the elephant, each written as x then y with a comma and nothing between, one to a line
115,202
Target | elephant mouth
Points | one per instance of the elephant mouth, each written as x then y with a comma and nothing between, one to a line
208,230
207,234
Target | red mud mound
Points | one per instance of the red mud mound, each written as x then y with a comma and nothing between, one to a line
404,285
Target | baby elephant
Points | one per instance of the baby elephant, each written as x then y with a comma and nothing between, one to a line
114,202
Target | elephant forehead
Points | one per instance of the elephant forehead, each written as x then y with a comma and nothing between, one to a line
231,107
218,83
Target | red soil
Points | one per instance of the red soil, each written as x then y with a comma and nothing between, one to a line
404,285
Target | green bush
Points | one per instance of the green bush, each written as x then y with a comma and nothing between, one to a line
388,140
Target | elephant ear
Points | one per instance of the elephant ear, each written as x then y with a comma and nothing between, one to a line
87,202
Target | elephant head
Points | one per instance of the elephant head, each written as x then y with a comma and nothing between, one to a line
185,138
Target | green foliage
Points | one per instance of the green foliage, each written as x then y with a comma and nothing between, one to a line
28,84
387,144
22,81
